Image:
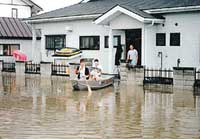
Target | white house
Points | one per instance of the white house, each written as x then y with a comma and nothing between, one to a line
163,32
18,8
15,34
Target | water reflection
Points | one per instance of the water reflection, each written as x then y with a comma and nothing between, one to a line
34,107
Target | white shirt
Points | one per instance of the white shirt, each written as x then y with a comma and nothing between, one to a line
82,72
132,55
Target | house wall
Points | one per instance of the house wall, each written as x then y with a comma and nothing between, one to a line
124,22
188,51
188,26
24,11
79,28
25,47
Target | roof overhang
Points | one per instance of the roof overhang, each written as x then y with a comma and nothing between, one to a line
173,10
35,7
60,19
117,10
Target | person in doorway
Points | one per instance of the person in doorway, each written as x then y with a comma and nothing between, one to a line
97,70
132,57
82,71
118,55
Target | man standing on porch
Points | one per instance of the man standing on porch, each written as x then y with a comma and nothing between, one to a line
132,57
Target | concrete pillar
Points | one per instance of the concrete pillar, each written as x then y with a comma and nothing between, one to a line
72,69
20,68
184,78
123,72
1,85
45,69
1,66
110,54
143,46
33,43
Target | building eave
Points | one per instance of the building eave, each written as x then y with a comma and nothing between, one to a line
34,5
103,18
59,19
173,10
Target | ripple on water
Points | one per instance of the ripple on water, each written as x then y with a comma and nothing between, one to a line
49,109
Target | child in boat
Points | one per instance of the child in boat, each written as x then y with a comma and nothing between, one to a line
82,71
96,70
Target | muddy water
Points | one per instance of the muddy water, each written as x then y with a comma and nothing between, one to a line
32,108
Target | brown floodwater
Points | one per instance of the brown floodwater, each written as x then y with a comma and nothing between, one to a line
47,108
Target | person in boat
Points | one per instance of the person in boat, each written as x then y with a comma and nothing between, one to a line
132,57
82,71
96,70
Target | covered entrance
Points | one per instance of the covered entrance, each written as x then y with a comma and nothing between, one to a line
134,37
131,22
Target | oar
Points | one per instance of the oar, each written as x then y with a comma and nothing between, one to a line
89,90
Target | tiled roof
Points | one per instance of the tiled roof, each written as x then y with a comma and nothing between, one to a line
13,28
102,6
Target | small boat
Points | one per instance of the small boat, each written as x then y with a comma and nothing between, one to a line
67,52
95,85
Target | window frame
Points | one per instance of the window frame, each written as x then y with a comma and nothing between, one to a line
106,40
63,36
90,47
179,41
118,41
16,10
9,47
157,43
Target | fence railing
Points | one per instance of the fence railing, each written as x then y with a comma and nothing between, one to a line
8,67
158,76
32,68
60,70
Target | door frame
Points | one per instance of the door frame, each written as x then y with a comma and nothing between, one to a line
137,42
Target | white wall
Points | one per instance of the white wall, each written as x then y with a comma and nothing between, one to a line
24,11
125,22
25,47
188,26
80,28
188,52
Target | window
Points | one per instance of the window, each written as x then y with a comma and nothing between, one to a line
89,42
54,42
8,49
175,39
116,41
106,42
14,13
160,39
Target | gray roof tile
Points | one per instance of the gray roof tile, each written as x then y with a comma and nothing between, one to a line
102,6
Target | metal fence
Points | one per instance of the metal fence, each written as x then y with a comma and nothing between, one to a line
60,70
8,67
158,76
32,68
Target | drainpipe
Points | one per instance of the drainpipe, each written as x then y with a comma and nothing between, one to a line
178,62
160,54
153,22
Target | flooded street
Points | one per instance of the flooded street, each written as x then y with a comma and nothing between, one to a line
32,108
